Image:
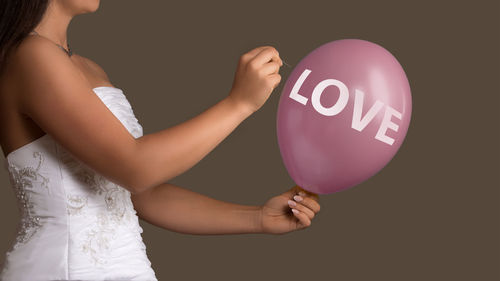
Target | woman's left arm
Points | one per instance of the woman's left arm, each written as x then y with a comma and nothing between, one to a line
182,210
185,211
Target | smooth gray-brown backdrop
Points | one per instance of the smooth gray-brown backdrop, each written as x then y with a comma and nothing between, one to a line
431,214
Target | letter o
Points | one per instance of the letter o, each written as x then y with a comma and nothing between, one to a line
338,106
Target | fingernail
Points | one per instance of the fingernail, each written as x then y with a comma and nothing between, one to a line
291,203
295,211
302,193
297,198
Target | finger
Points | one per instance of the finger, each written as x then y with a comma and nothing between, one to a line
304,221
252,53
312,195
292,191
246,57
270,68
265,56
277,59
309,213
275,79
308,202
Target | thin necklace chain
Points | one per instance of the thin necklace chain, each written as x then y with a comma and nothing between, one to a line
68,51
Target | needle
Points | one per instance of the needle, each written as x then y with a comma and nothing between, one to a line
286,64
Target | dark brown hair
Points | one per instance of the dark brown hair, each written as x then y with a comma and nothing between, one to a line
17,19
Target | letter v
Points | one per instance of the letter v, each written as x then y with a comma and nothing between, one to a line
359,123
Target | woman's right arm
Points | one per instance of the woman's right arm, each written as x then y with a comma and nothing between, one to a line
61,101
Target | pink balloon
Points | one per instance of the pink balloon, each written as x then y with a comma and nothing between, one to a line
343,114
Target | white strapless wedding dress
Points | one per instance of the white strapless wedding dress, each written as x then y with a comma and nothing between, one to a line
75,224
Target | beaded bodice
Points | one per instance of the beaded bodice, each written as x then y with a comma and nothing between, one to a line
83,224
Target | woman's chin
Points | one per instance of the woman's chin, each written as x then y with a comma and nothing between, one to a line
87,6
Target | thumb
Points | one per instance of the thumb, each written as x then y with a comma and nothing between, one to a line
296,189
293,191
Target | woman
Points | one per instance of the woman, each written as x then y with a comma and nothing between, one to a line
82,170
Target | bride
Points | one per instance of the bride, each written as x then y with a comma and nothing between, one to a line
84,173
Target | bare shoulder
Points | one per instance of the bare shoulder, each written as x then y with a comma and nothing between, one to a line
34,60
94,67
29,51
31,43
35,53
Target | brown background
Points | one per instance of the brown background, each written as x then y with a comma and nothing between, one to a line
431,214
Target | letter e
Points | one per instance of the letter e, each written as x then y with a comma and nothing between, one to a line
387,124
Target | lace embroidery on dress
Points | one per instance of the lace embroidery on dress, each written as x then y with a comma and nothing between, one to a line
75,204
105,223
22,181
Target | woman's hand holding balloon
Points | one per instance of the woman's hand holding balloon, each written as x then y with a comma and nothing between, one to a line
277,215
256,77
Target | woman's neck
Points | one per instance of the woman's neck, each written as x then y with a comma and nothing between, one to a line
54,24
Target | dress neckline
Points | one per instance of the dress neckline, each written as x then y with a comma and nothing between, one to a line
109,87
10,154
